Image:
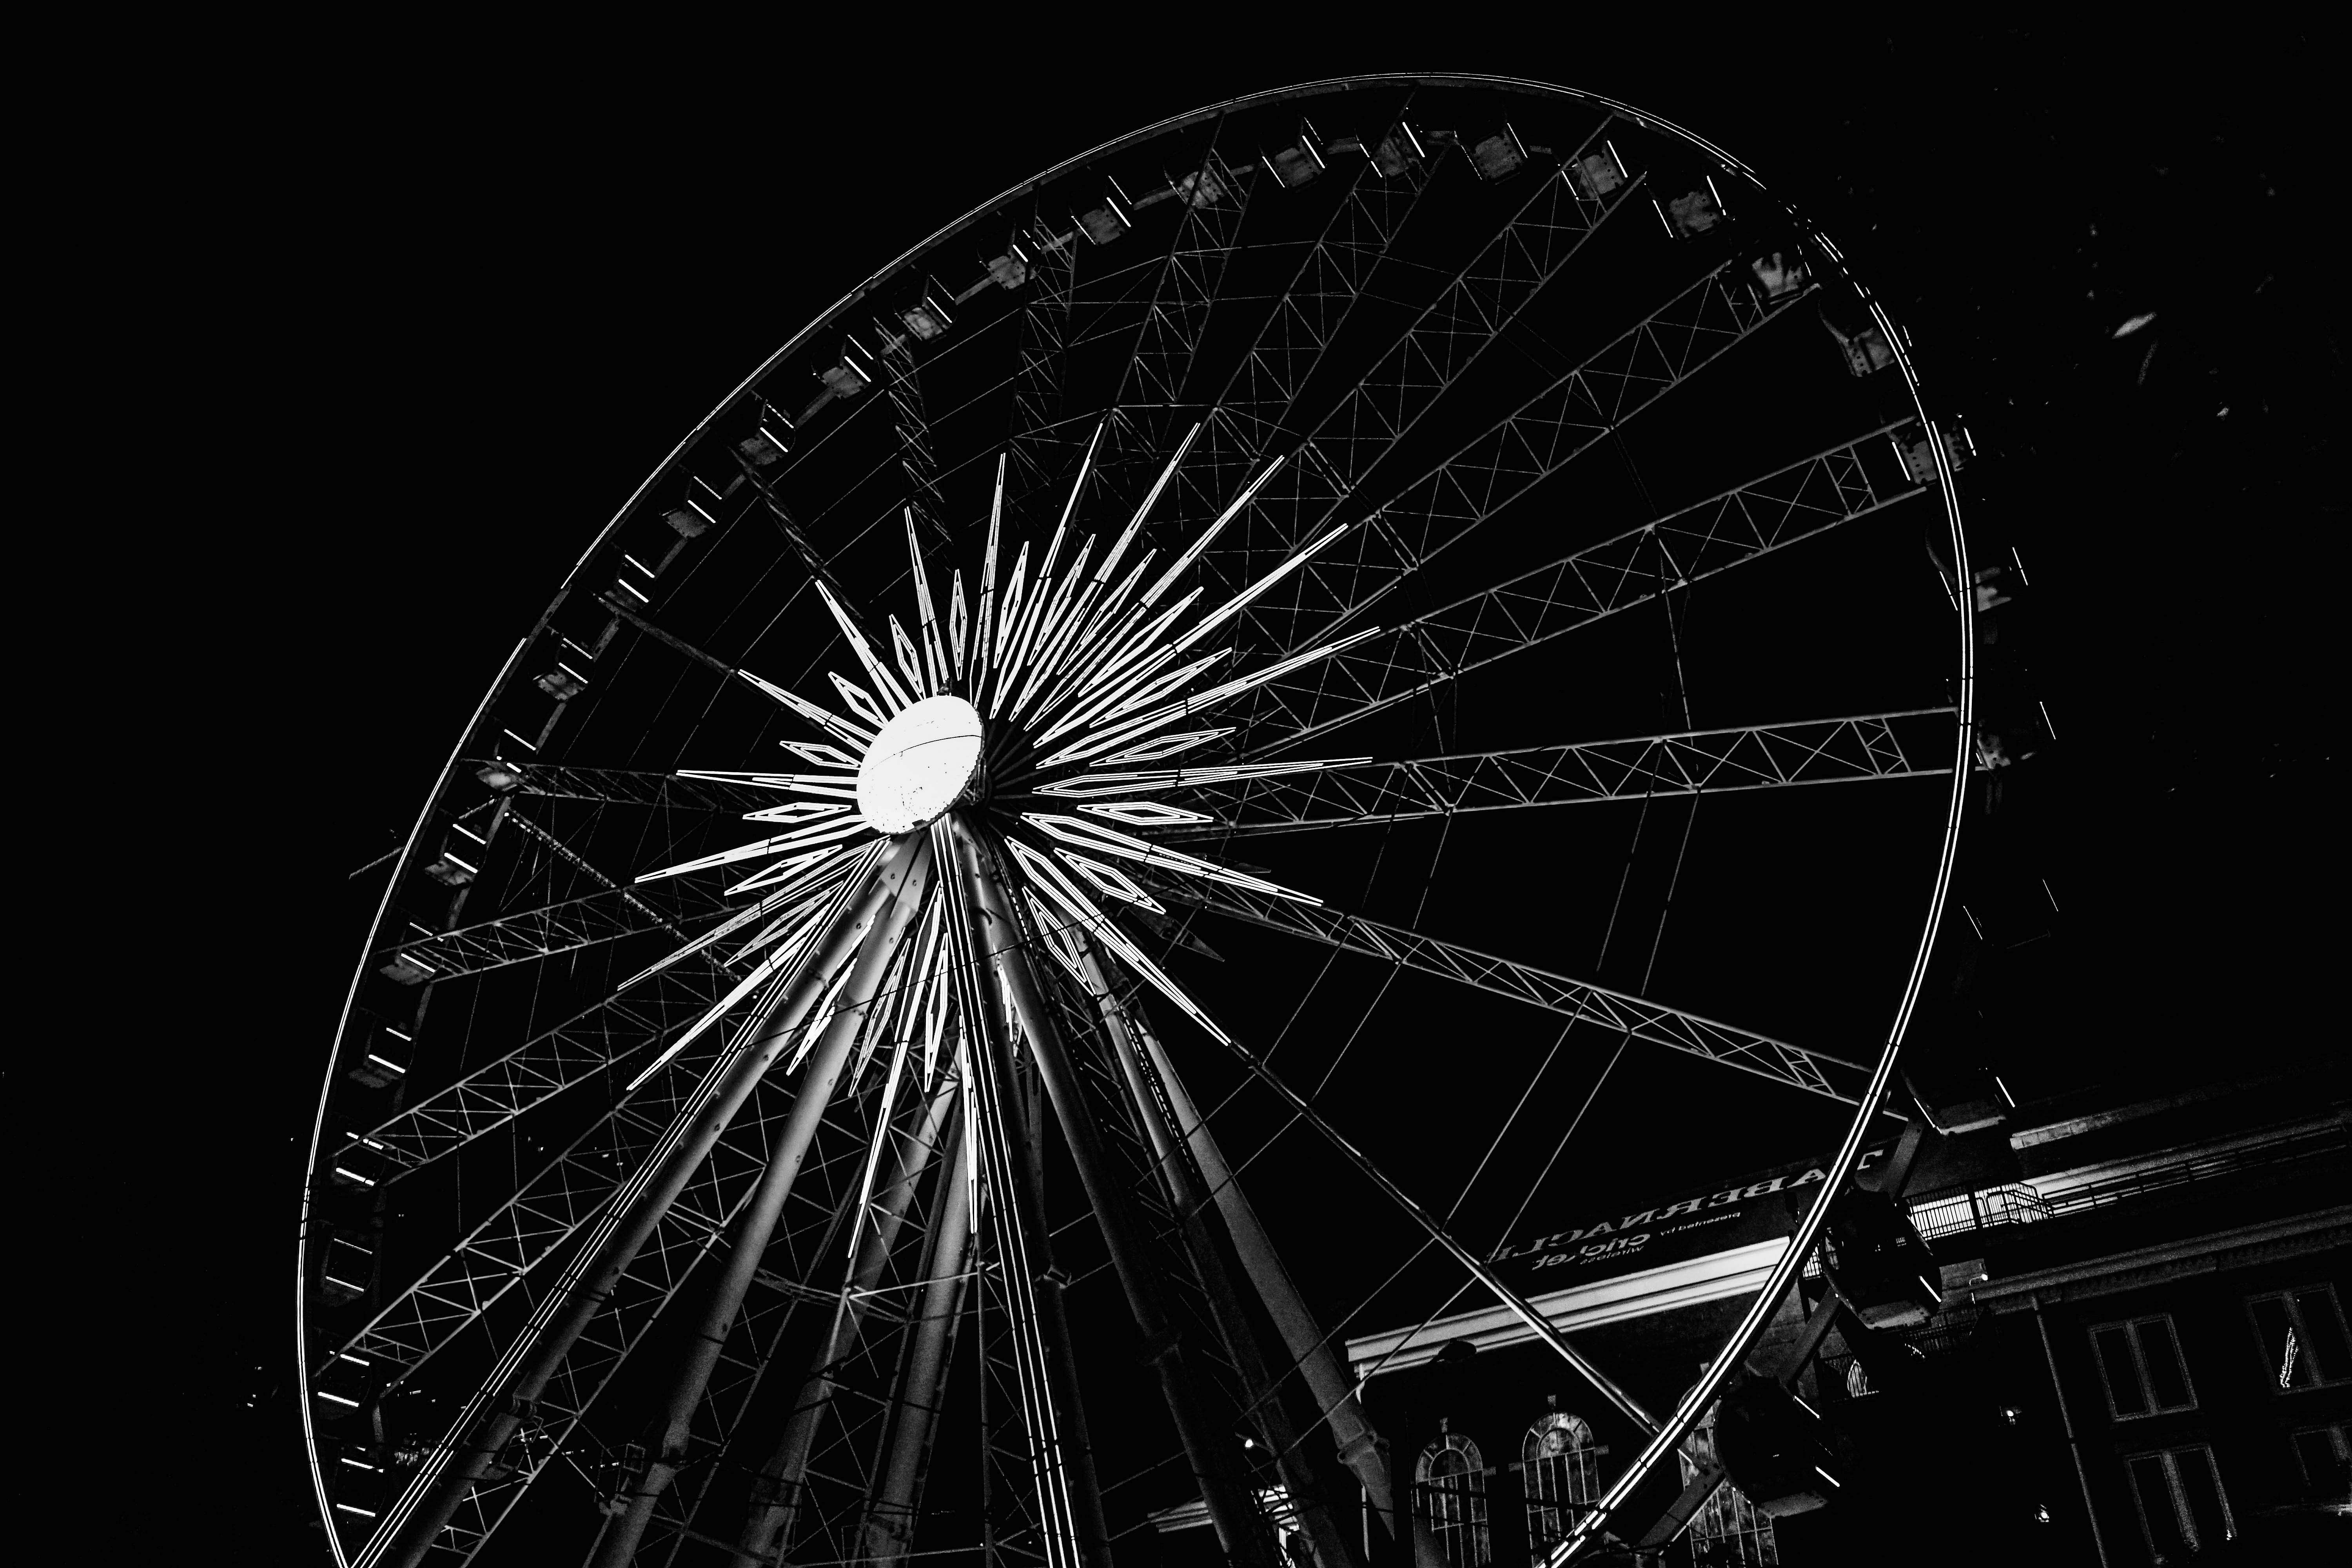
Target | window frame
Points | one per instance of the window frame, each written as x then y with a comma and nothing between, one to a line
1475,1527
2341,1434
2296,1326
1578,1467
2130,1328
2170,1458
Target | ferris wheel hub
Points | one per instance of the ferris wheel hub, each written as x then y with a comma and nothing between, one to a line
918,764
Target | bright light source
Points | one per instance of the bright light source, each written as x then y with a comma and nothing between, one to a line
918,764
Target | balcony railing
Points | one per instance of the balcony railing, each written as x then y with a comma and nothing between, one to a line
2030,1202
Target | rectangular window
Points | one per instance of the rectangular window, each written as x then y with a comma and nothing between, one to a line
2325,1454
2141,1360
2301,1335
2183,1510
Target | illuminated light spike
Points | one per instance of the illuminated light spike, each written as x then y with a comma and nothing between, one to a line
999,637
884,684
726,929
1151,498
874,1145
1104,840
1240,601
1061,619
749,983
799,811
786,869
986,619
1059,935
1085,469
1089,784
1020,649
1135,728
956,619
1161,687
1048,876
825,784
840,729
782,844
859,702
1184,562
911,663
817,755
1110,880
1110,639
814,1029
1119,676
1145,813
927,616
1165,746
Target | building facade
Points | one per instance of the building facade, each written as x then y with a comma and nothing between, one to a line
2137,1354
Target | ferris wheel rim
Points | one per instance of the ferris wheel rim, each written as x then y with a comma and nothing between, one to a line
511,667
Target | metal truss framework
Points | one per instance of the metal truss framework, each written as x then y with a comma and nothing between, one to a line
1913,744
1798,1067
1742,524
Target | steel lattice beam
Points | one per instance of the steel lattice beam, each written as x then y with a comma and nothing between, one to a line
1815,1071
628,786
1468,315
1543,436
669,905
1728,530
1909,745
615,1029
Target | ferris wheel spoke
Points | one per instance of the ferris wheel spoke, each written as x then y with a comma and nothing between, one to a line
624,786
1469,313
1654,357
551,929
1815,1071
1911,743
1742,524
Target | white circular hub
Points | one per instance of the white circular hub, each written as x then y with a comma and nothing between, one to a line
918,763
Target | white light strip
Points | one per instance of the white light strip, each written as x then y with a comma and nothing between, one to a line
1135,728
1105,840
840,729
1089,784
1165,746
782,844
1049,877
891,692
1235,605
1183,562
1116,678
695,1031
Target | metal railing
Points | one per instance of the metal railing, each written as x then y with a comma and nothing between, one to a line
2023,1204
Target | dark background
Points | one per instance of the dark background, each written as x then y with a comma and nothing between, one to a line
446,304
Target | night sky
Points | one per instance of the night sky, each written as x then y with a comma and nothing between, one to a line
463,319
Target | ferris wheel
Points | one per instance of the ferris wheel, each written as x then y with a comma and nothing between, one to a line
1191,719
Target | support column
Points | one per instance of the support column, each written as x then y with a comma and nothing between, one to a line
826,1061
889,1533
776,1491
1360,1446
1239,1528
1331,1550
592,1283
1017,1204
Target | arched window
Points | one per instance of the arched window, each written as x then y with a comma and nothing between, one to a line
1561,1471
1450,1491
1727,1529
